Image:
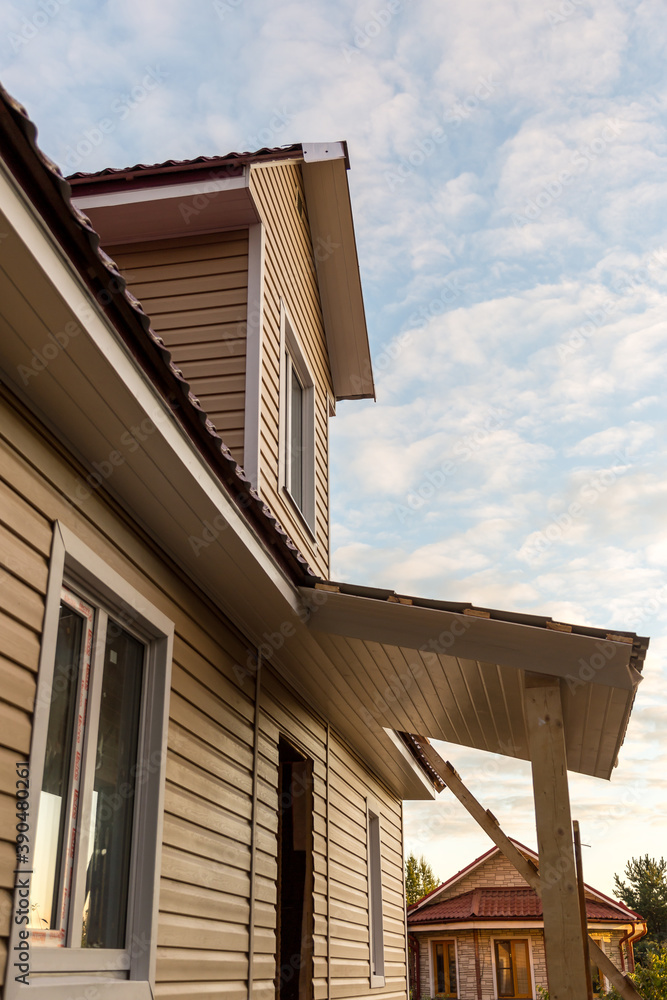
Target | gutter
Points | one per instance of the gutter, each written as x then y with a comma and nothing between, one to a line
629,939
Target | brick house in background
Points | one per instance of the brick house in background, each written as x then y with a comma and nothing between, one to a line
481,934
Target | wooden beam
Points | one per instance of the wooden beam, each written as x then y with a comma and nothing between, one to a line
618,980
567,970
524,866
489,824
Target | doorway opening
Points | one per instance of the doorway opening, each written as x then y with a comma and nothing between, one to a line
294,930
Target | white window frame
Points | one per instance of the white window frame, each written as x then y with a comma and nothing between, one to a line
520,935
375,907
434,940
292,355
59,973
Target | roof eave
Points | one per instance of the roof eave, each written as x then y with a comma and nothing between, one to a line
329,208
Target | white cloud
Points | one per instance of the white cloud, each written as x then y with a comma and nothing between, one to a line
534,351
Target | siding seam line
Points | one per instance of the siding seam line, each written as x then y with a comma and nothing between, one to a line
253,829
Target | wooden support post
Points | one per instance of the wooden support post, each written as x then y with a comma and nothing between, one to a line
526,868
581,891
567,970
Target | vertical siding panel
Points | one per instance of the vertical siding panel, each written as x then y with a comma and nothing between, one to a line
290,276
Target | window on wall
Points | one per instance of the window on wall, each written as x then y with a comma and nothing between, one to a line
597,978
444,968
297,426
96,779
513,968
375,908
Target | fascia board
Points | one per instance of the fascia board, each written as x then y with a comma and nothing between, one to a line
337,266
486,640
420,776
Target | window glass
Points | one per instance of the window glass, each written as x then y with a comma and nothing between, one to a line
51,862
107,802
504,969
108,868
295,438
444,956
513,969
521,969
596,976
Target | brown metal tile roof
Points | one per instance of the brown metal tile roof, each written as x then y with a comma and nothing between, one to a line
174,171
507,903
45,185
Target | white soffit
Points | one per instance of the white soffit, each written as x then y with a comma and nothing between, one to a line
337,265
471,691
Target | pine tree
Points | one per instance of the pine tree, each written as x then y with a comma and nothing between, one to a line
646,892
419,878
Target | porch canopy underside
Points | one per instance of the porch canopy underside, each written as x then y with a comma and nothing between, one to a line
457,673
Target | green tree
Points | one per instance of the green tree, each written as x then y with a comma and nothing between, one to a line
646,892
651,978
419,878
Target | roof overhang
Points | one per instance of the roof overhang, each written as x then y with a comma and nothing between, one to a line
460,676
212,194
325,168
133,210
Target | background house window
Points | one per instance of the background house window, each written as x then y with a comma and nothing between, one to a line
444,968
513,969
597,978
375,909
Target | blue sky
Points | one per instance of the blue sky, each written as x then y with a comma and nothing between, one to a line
510,197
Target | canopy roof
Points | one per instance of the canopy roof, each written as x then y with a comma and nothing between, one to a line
457,673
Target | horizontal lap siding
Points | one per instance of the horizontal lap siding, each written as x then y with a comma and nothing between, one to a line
350,786
282,715
25,542
195,289
290,276
202,934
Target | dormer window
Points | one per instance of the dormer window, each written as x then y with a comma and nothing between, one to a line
297,425
294,437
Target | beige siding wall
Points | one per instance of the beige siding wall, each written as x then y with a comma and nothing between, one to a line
195,289
203,932
290,277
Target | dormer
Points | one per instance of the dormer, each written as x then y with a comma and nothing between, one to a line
247,266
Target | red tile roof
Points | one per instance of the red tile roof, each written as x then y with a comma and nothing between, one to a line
503,904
